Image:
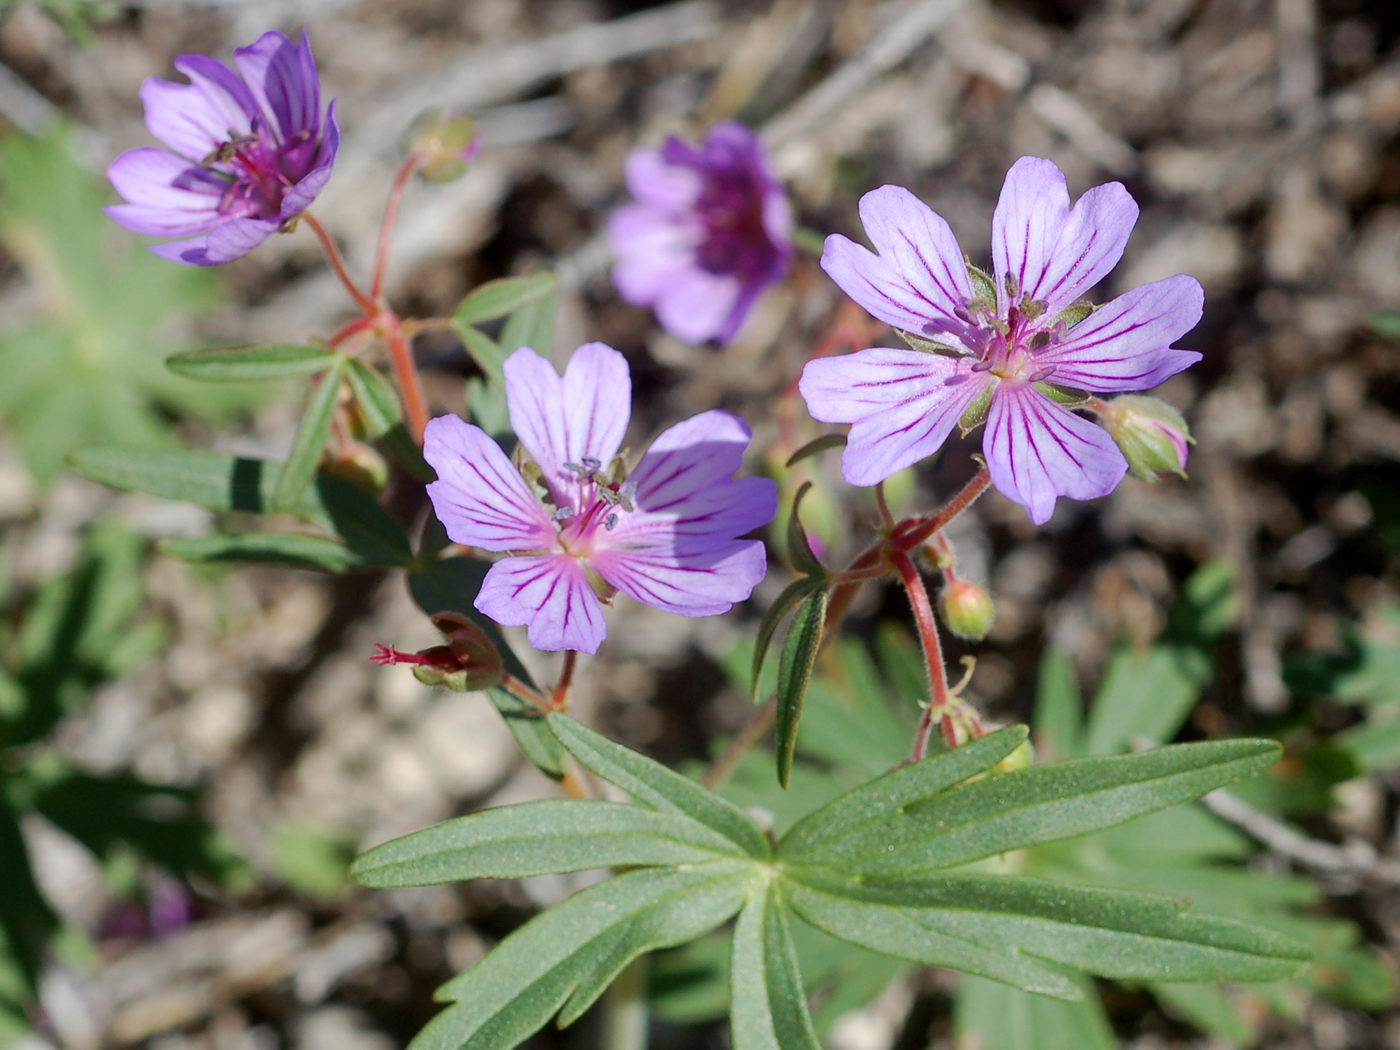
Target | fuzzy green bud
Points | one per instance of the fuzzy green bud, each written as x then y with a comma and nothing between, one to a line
966,609
445,144
1152,435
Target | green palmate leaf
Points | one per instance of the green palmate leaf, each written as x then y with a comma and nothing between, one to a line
562,960
1113,933
994,1017
540,838
503,296
794,593
652,784
891,929
1043,803
795,665
769,1005
799,550
451,585
280,548
486,398
383,418
300,468
373,534
815,447
242,363
830,830
209,479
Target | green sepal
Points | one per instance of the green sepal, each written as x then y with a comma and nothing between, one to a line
1072,315
1063,395
983,285
976,413
816,446
929,346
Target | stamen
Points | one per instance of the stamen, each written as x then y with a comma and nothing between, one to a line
563,514
982,366
610,522
1042,375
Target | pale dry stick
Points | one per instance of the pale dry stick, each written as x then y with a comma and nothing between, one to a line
1299,80
1357,859
1071,118
892,45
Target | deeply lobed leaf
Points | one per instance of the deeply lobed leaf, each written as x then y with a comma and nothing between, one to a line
769,1004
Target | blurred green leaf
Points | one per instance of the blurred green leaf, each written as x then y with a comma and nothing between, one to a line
994,1016
505,295
312,861
532,324
300,468
815,447
383,418
90,369
296,549
226,364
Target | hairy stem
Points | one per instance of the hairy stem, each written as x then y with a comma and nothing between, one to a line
337,262
566,677
915,531
928,641
406,372
386,226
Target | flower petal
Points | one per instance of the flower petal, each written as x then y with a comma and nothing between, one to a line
189,120
1126,344
654,180
282,77
163,222
299,197
698,306
696,583
1038,450
919,280
652,250
235,238
160,179
686,498
550,594
902,405
479,497
560,421
1056,253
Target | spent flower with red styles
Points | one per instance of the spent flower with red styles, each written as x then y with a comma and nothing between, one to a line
1017,349
248,151
576,525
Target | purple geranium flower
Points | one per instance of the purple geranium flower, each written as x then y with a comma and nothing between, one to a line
1011,351
247,153
579,530
711,228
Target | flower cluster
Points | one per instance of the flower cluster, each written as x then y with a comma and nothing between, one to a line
1011,349
710,230
249,151
578,527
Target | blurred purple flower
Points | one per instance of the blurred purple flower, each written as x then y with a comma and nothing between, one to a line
248,152
665,535
1009,351
710,229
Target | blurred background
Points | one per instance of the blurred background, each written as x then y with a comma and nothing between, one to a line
204,748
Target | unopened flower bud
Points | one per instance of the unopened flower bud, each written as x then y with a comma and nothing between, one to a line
468,662
445,144
1021,758
1152,435
966,610
361,466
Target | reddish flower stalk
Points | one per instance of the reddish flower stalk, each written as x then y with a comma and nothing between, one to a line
931,645
386,227
337,263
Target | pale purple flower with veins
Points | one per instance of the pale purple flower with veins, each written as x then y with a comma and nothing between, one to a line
248,151
578,531
709,231
1001,359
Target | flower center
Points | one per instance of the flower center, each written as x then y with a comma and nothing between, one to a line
598,502
735,239
1011,343
259,170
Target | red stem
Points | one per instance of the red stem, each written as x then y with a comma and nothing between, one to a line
410,387
337,262
386,226
356,326
916,530
929,642
566,677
